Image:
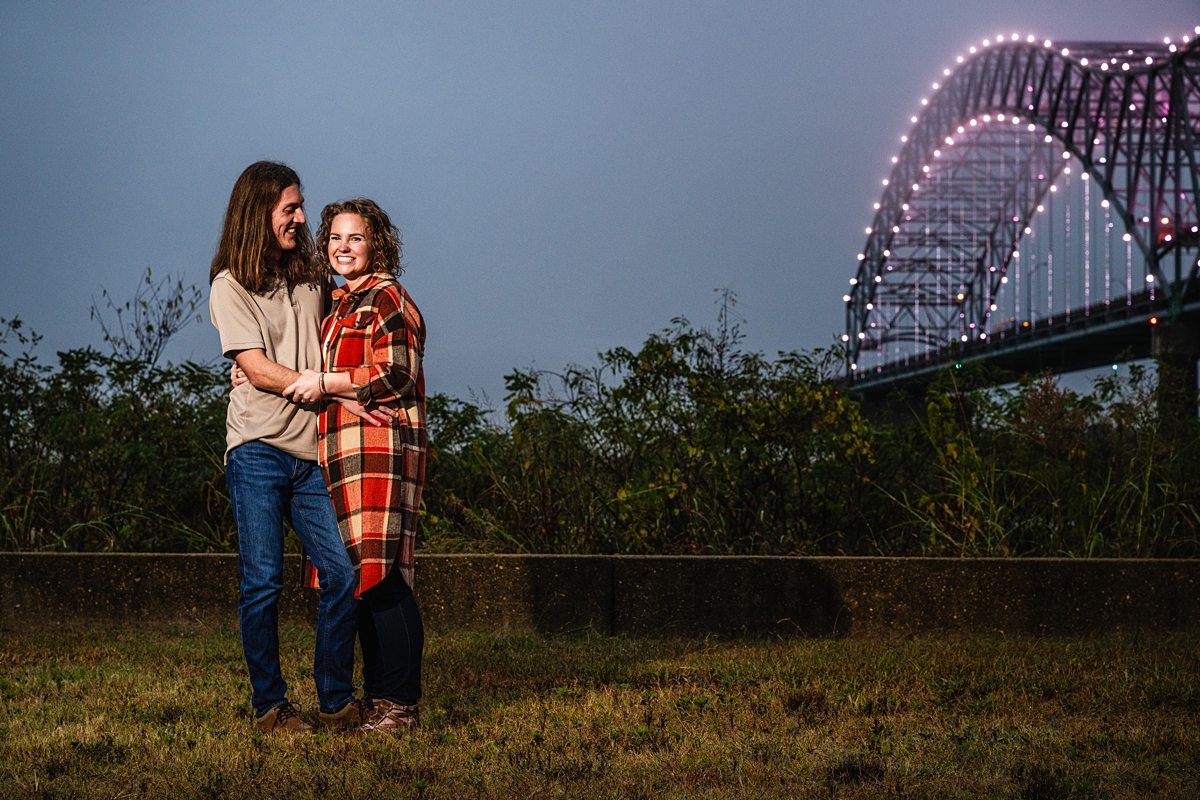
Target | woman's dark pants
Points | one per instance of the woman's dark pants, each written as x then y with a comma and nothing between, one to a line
392,640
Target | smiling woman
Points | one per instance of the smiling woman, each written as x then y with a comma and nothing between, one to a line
350,254
378,240
372,349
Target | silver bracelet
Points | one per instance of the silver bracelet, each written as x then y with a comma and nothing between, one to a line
321,383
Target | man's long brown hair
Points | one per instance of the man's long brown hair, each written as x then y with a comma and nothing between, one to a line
246,235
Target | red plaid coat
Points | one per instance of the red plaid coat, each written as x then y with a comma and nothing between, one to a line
375,474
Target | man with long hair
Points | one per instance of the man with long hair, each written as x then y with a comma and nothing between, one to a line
267,301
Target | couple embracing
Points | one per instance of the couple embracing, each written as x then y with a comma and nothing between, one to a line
326,429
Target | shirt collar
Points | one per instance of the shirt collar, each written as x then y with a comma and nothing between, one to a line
342,292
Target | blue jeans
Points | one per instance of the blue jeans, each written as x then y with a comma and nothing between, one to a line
266,486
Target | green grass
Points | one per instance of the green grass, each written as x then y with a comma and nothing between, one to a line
165,713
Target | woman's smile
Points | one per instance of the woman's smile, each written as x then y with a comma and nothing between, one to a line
349,249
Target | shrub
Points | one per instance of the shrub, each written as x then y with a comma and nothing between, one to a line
688,445
109,453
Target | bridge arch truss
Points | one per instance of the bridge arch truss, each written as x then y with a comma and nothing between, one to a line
1117,124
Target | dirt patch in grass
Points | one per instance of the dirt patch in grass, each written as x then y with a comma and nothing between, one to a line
165,713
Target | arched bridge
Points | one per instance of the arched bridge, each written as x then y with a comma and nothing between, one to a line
1041,213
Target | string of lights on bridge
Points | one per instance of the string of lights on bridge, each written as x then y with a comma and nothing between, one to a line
1115,64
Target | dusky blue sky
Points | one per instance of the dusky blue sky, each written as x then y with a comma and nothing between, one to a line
568,176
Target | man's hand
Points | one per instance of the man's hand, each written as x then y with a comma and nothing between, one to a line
236,376
306,388
391,411
377,416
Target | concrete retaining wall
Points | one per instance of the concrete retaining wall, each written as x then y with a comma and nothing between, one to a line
655,595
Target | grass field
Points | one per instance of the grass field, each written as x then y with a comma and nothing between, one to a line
164,713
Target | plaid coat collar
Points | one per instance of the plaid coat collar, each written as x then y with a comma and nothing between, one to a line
343,293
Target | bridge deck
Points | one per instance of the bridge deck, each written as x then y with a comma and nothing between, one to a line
1090,338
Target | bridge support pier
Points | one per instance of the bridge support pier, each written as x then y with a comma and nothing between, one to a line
1176,348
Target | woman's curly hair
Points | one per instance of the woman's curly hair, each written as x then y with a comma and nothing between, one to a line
382,236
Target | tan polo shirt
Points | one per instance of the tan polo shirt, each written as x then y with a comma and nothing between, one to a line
285,323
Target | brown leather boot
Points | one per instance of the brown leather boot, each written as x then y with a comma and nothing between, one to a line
283,718
349,717
389,717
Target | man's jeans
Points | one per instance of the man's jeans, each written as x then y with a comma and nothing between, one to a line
266,485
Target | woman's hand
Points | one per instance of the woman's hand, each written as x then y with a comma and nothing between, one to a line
306,388
236,376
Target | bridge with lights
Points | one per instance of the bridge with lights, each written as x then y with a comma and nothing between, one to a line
1041,214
